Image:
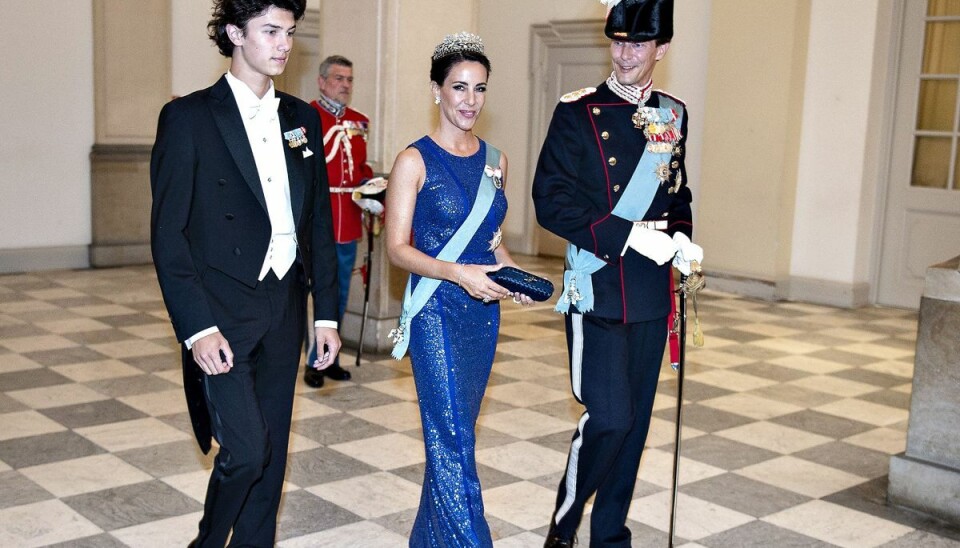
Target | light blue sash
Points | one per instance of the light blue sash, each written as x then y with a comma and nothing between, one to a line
633,205
414,301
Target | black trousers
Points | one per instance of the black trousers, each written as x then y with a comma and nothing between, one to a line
614,369
251,406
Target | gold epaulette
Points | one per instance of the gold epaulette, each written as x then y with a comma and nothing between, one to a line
577,95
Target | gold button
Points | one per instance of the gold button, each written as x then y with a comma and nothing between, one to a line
605,135
596,111
616,188
612,161
675,164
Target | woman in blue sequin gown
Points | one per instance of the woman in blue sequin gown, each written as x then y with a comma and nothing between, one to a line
433,187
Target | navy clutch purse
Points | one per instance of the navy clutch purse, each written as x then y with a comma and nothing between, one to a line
520,281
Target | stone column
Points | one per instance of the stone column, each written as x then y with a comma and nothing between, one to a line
927,476
386,291
132,82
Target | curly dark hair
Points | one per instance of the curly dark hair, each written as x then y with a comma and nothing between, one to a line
239,13
440,68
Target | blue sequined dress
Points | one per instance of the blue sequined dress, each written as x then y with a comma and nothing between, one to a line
452,345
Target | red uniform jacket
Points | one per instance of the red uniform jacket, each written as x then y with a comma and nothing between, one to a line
345,149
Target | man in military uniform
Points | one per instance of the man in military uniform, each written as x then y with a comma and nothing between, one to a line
345,148
611,180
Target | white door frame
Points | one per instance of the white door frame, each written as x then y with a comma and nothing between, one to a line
889,81
544,37
898,199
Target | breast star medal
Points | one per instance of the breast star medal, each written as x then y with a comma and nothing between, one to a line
497,238
663,172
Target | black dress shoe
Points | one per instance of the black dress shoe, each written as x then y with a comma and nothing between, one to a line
556,541
336,373
313,377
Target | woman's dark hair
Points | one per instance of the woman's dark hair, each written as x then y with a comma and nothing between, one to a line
440,68
239,13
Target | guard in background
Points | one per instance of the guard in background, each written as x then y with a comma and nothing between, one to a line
345,148
611,181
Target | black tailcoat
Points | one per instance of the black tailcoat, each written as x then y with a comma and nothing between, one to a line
209,213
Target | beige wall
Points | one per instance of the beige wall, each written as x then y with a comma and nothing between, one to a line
775,201
506,118
791,163
836,115
196,61
682,73
751,135
47,126
390,43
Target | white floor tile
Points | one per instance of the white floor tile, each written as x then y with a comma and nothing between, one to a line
399,417
56,396
523,504
26,423
384,452
97,371
371,496
43,523
773,437
696,519
167,533
523,459
83,475
119,436
801,476
523,423
755,407
356,535
885,440
864,411
158,404
524,394
835,386
838,525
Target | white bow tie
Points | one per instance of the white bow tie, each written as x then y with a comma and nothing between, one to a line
265,105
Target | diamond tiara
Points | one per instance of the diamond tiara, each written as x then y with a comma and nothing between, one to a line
458,43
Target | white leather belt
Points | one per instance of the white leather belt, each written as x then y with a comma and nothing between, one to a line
342,189
652,225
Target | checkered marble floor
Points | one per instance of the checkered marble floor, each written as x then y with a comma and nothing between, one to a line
791,414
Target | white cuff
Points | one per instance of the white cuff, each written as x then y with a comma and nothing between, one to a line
210,330
325,323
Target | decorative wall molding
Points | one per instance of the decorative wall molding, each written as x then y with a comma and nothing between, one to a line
43,258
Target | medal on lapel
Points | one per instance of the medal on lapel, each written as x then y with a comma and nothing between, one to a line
296,137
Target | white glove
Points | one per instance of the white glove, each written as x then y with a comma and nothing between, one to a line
653,244
687,252
374,185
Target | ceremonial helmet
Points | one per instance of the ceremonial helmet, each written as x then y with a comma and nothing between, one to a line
639,20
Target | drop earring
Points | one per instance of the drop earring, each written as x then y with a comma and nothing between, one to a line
436,100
